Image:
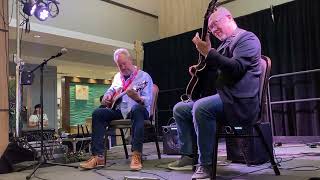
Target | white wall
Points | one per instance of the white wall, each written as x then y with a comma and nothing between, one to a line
244,7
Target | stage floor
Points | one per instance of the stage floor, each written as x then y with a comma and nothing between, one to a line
298,162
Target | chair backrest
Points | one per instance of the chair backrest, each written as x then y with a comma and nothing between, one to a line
155,91
265,66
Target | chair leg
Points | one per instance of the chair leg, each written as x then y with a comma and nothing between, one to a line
215,158
105,145
273,163
124,143
194,153
157,143
244,143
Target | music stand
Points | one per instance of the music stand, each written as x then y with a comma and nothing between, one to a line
27,80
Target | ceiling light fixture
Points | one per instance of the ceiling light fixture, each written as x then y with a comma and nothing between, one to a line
29,7
42,9
42,12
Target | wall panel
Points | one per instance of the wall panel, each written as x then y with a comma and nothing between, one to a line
4,104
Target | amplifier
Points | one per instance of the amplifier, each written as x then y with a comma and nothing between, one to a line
171,145
250,150
53,149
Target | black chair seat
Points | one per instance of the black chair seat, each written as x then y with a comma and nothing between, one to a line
125,123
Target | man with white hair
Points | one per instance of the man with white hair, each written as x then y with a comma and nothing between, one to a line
136,102
237,61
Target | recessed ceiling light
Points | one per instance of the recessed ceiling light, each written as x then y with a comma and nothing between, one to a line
37,36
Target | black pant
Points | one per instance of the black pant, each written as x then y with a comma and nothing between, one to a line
101,117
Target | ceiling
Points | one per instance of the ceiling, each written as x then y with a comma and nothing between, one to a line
85,58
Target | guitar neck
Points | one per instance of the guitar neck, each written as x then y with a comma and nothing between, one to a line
209,11
120,95
203,35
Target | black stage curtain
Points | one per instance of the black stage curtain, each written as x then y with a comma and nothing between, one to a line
291,40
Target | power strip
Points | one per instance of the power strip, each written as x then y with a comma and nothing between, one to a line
312,145
139,178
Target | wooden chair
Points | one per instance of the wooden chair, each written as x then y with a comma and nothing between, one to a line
122,124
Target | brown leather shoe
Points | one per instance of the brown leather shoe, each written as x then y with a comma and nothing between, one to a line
136,164
93,162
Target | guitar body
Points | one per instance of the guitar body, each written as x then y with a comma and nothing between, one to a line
202,84
116,99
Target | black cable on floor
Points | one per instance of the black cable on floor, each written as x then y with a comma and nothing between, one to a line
247,173
39,177
298,168
154,174
101,174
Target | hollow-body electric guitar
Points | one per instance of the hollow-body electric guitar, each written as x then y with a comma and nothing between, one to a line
116,98
201,84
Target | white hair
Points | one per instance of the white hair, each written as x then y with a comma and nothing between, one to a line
120,51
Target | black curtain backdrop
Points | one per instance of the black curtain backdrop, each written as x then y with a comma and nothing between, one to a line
292,41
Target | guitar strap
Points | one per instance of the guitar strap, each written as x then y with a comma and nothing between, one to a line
222,47
127,83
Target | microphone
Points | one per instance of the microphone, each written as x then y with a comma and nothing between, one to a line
272,15
62,52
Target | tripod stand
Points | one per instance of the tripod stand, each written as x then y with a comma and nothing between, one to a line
43,160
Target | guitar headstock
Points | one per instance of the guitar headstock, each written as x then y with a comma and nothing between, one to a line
212,5
140,86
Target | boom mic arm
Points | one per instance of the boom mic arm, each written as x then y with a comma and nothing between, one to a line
62,51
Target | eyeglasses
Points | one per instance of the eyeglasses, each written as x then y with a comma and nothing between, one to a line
214,25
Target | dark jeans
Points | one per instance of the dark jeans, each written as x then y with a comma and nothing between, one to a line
199,117
101,117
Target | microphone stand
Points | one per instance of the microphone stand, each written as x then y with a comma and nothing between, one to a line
43,159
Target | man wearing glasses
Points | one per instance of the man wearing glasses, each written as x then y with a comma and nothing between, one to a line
237,102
